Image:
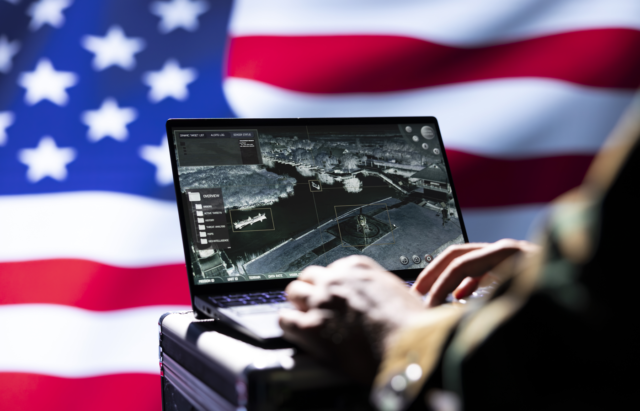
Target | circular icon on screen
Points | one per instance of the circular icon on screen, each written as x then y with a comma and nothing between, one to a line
436,151
416,259
415,138
404,260
409,129
425,146
427,132
428,258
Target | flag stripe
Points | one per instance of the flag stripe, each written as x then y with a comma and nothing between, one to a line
92,286
107,227
463,23
492,224
487,182
507,118
374,64
72,342
519,184
123,392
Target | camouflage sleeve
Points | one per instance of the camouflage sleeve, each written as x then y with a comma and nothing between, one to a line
414,353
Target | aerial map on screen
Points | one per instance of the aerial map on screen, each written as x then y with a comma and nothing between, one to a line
265,203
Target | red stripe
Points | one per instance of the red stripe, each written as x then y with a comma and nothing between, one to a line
371,63
480,182
91,285
490,182
120,392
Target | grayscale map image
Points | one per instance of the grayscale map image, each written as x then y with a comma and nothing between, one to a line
323,193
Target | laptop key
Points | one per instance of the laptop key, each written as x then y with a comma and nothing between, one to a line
232,304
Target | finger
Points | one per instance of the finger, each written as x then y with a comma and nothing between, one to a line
311,274
298,292
355,261
472,264
298,321
429,275
303,329
466,288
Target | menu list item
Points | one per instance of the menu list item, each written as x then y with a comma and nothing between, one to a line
208,218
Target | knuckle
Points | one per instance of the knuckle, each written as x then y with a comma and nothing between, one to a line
507,242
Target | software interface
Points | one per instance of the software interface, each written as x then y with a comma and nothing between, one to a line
265,203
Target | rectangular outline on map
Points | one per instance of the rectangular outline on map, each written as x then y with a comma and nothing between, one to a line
253,231
311,187
342,242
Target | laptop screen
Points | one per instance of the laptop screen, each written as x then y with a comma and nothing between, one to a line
263,203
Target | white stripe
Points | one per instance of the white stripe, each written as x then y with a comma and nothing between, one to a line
116,229
512,118
492,224
71,342
451,22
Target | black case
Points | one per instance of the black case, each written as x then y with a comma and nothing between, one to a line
205,365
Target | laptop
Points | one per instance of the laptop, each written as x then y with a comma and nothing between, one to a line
261,199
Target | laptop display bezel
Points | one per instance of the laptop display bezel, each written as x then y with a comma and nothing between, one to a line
212,123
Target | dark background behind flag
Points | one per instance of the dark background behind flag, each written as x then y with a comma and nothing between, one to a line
90,251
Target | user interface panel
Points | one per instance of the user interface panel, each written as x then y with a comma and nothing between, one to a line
265,203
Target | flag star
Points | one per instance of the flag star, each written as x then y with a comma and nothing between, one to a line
114,49
47,83
6,120
109,120
170,81
47,12
159,157
8,49
46,160
178,13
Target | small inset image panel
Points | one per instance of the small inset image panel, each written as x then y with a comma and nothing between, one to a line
194,196
363,225
247,221
315,186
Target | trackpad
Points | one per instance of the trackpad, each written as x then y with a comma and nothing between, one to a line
264,324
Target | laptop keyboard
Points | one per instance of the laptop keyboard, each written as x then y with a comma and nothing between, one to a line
237,300
266,297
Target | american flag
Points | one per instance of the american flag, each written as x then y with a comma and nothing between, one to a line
90,252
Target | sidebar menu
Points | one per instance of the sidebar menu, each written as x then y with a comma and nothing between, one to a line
208,218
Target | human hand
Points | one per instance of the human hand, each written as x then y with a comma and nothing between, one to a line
460,268
347,312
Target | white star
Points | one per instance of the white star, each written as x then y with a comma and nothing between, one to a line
46,160
47,12
170,81
6,120
114,49
47,83
8,49
178,13
159,157
109,120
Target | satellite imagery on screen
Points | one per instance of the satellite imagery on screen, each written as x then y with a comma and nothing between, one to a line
311,195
